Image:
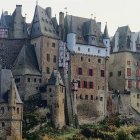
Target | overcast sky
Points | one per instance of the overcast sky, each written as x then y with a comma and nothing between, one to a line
115,12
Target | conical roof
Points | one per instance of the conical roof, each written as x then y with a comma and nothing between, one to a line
105,35
55,78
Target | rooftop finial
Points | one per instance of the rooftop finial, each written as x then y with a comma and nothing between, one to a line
36,2
66,10
91,16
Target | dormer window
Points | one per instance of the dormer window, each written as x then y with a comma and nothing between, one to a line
98,51
88,49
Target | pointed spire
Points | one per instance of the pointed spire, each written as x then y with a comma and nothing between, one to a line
71,26
3,22
105,35
138,40
55,78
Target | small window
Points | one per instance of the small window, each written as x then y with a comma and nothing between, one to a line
138,72
98,51
129,84
48,70
80,72
54,58
128,71
28,79
50,90
101,98
91,97
48,57
102,73
99,60
53,45
119,73
137,84
88,49
3,124
35,80
90,72
137,104
88,59
81,58
90,84
110,74
85,84
86,97
17,110
17,80
78,48
138,96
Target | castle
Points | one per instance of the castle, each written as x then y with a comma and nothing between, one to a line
65,63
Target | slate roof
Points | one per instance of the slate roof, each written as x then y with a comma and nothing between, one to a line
26,62
6,83
124,38
105,35
55,78
42,24
83,27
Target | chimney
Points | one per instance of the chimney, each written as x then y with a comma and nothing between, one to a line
49,12
19,9
61,18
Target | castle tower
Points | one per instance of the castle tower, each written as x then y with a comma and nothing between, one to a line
106,40
11,107
138,42
18,22
71,36
56,99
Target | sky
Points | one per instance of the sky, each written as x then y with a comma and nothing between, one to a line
116,13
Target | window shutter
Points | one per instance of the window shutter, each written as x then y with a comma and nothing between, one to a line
128,71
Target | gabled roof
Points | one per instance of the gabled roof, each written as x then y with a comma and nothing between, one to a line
7,85
42,24
55,78
105,35
26,62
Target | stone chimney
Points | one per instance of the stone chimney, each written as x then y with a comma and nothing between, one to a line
61,18
49,12
19,9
